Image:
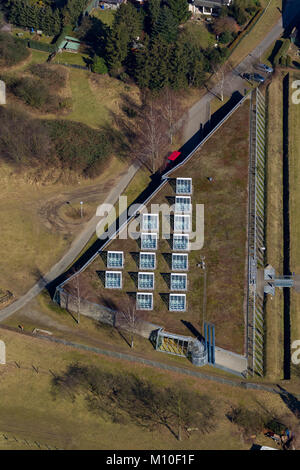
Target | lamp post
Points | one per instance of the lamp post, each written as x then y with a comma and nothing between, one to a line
202,265
81,208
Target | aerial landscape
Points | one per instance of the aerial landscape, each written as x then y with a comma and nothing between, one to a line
150,226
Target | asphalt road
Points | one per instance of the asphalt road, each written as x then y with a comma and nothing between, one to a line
197,116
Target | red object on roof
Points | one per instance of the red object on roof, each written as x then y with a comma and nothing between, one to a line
174,155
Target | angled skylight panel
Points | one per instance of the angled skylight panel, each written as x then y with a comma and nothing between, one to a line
181,242
179,262
144,301
177,302
150,222
183,185
115,259
182,223
146,281
178,281
183,204
149,241
113,279
147,260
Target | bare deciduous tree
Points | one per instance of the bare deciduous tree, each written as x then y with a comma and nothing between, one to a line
128,318
151,135
171,110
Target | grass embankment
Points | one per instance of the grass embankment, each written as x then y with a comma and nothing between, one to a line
274,228
30,411
259,31
225,157
294,177
36,225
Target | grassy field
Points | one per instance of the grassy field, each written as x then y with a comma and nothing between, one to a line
294,175
29,410
225,237
71,58
274,228
260,30
33,220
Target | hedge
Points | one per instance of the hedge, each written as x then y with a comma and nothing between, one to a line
41,46
247,30
282,51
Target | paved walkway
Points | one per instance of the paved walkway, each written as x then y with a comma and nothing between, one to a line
76,247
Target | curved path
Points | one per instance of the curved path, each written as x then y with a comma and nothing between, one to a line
196,118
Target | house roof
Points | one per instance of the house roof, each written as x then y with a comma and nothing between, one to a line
211,3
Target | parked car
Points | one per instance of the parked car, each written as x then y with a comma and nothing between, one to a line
247,76
254,76
258,78
265,68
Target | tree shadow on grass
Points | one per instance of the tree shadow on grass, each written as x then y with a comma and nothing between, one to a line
291,401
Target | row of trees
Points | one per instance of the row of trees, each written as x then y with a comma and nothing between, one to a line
45,16
128,399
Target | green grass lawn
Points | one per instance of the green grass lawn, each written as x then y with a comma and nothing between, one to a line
199,33
106,16
71,58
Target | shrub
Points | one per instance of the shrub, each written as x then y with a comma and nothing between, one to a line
99,65
12,50
37,93
282,51
86,154
41,46
32,91
54,77
282,61
250,421
43,144
225,37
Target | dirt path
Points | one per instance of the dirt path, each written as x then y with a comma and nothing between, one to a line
50,211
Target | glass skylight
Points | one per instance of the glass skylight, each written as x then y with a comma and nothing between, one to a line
144,301
115,259
177,302
146,280
113,279
147,261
